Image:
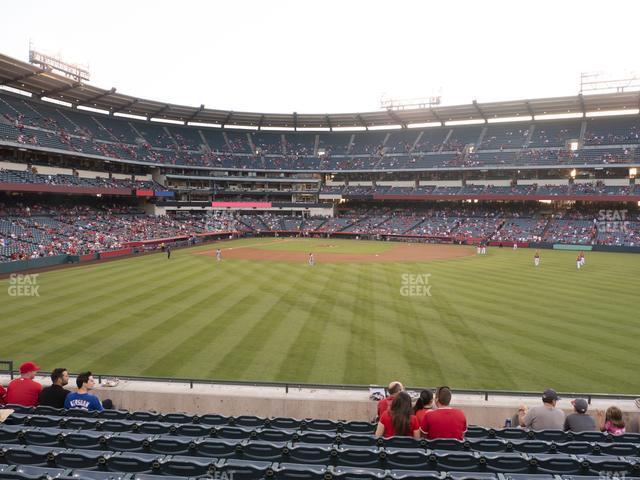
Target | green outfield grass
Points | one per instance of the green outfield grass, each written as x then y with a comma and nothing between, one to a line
491,321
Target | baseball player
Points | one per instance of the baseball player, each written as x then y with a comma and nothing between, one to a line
218,255
536,258
312,260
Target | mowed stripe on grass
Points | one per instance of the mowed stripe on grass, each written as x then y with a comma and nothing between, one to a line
491,321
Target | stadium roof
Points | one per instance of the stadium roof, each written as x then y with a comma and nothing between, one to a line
42,83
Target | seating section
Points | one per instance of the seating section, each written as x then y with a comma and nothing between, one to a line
38,124
43,442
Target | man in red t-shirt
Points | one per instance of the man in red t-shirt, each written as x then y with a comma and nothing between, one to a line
384,404
3,392
24,390
444,422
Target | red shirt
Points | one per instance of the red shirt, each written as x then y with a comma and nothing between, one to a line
2,394
421,413
444,423
23,391
389,431
383,405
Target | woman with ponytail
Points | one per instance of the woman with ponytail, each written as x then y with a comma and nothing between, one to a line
423,405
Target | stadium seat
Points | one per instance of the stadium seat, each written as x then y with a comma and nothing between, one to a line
531,446
608,466
320,424
186,466
82,459
283,423
172,446
445,444
404,442
115,426
127,442
46,437
213,419
76,423
95,475
46,410
178,418
20,409
322,438
191,430
617,449
471,476
358,440
626,438
504,462
548,435
297,471
42,421
361,457
406,459
588,437
487,445
450,461
79,413
247,421
27,472
150,476
143,416
354,473
132,462
234,433
218,448
11,433
276,435
476,432
509,433
85,439
153,428
307,453
29,455
357,427
399,474
573,448
263,451
556,464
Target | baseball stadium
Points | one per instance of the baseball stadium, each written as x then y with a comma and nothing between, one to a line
244,285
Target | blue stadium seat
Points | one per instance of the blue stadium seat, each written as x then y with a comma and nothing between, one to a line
531,446
573,448
11,433
77,423
29,455
115,426
283,423
42,421
609,466
450,461
406,459
548,435
477,432
153,428
46,410
21,409
28,472
509,433
617,449
192,430
445,444
320,424
113,414
79,413
626,438
143,416
357,427
588,437
404,442
234,433
186,466
95,475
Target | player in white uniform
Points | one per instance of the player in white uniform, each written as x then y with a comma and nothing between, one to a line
582,259
579,262
515,245
312,260
536,259
218,255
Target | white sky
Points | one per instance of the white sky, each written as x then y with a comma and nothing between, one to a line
329,56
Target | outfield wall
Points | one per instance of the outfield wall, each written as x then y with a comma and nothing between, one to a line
486,409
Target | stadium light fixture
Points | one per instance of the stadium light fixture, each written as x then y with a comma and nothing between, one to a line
573,173
633,171
573,145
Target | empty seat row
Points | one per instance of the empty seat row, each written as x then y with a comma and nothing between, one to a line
374,467
281,439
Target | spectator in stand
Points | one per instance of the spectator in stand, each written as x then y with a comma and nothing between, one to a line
82,399
399,420
24,390
611,421
444,421
579,421
3,394
393,389
55,394
423,405
546,416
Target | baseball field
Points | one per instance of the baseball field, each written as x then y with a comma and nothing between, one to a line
366,312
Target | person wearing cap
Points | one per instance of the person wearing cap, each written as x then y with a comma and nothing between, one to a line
579,421
546,416
24,390
394,389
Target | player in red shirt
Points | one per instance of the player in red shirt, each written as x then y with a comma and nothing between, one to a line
444,422
384,404
24,390
399,419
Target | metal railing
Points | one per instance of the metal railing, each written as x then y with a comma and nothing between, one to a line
485,393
